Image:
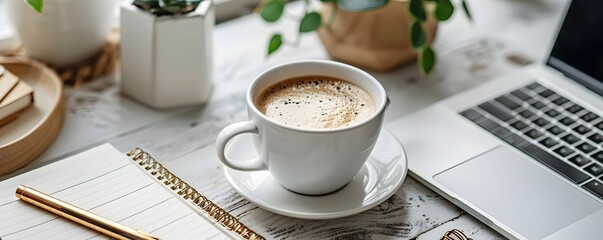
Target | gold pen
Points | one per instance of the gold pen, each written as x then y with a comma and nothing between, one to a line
78,215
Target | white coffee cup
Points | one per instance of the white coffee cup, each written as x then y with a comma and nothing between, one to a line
307,161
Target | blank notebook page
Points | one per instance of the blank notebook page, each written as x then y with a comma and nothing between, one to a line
109,184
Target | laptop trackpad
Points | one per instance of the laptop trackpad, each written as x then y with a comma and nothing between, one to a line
518,192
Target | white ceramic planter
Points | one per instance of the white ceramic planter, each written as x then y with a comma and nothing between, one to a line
167,61
68,31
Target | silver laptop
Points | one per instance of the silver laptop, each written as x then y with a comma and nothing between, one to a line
523,153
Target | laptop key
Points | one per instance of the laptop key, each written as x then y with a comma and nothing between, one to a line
598,156
589,117
596,138
594,187
555,130
570,138
496,111
564,151
574,108
581,129
533,134
521,95
515,140
499,131
555,163
580,160
547,93
487,123
560,101
472,114
541,122
548,142
537,104
594,169
567,121
527,113
552,113
586,147
504,100
519,125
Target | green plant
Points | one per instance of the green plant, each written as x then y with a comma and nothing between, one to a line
36,4
167,7
157,7
272,10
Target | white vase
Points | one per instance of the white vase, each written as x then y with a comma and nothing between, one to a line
167,61
67,31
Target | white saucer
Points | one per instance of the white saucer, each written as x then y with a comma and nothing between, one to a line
379,179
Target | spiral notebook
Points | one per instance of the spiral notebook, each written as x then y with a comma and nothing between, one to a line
133,189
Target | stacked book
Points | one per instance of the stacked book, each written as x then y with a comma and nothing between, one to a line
15,96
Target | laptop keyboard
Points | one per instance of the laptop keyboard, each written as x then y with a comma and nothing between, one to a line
552,129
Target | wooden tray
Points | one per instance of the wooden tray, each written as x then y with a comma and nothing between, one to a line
25,138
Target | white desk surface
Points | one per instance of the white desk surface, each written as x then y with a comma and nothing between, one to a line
469,54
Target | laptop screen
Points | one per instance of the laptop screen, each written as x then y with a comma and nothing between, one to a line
578,50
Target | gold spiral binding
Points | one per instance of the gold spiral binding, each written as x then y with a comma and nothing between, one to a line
190,194
455,234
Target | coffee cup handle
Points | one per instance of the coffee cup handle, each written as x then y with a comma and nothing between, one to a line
226,135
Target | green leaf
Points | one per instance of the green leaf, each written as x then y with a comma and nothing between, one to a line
467,12
361,5
417,35
444,10
427,60
310,22
36,4
417,10
273,10
275,43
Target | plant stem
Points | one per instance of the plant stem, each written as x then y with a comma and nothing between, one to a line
333,14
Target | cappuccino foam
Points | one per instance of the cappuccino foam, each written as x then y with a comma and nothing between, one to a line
316,102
